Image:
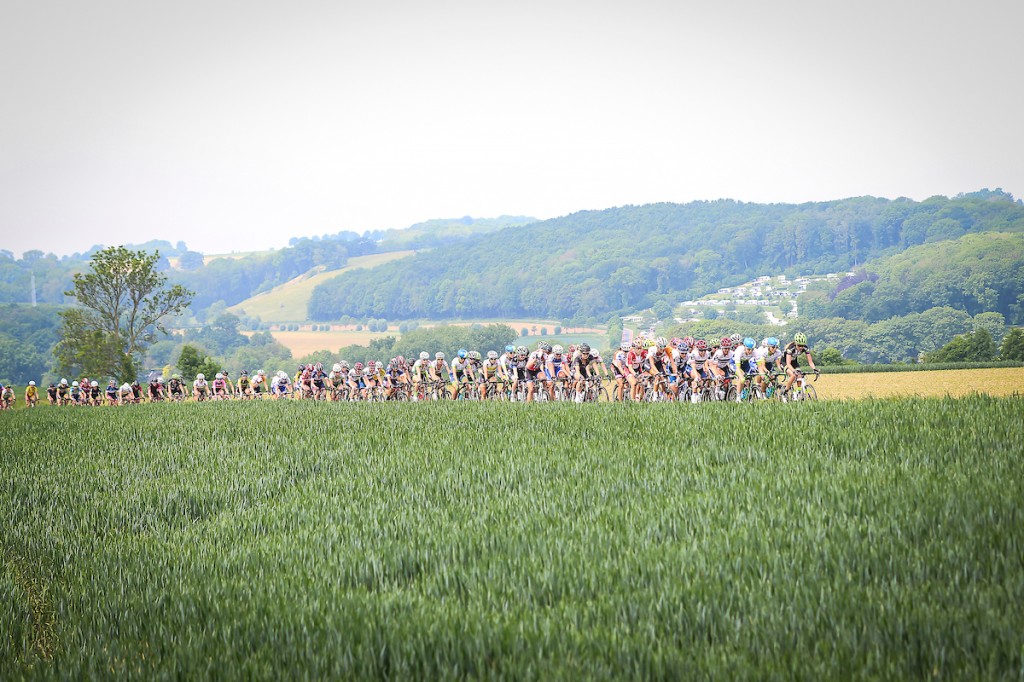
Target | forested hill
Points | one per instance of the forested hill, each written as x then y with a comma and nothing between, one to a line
591,263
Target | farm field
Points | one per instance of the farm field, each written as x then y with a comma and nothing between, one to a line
875,538
287,302
952,382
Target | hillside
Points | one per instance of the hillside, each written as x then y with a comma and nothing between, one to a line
591,264
287,302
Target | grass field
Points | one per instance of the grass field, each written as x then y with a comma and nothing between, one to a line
868,539
287,302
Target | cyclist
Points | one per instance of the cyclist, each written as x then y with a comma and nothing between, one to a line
661,366
7,398
440,372
111,392
517,369
156,389
95,394
534,367
63,391
176,387
259,383
243,389
126,394
220,387
767,357
790,356
699,357
76,393
720,363
462,372
586,364
281,385
492,371
635,361
420,373
619,371
557,368
31,394
744,363
200,387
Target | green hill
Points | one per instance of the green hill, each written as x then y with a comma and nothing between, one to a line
592,264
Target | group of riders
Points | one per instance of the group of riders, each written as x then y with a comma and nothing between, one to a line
645,369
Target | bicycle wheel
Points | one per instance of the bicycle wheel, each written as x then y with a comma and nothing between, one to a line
810,393
731,395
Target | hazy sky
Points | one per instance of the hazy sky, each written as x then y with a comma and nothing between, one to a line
237,125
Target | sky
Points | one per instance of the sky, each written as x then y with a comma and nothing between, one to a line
235,126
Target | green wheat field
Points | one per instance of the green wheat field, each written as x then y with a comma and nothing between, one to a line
831,540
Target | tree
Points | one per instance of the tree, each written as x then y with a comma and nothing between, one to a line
977,346
189,360
663,310
1013,345
829,356
122,302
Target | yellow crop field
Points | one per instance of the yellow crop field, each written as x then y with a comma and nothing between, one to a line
953,382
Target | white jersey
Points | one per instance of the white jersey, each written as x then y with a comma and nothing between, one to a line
761,354
201,384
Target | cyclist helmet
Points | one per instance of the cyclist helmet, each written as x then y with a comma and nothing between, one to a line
638,343
544,346
800,339
261,373
244,373
726,343
683,348
492,355
714,343
688,340
401,360
337,367
474,355
624,346
584,349
702,344
159,380
749,343
771,342
424,355
343,364
74,384
676,341
661,343
31,383
358,367
522,350
200,377
95,384
510,349
439,355
63,382
371,365
219,375
736,339
557,349
572,348
463,353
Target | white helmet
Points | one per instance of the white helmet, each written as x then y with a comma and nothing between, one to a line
558,350
439,355
424,355
31,383
95,384
337,367
63,382
219,375
492,355
261,373
74,384
159,380
126,386
200,377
